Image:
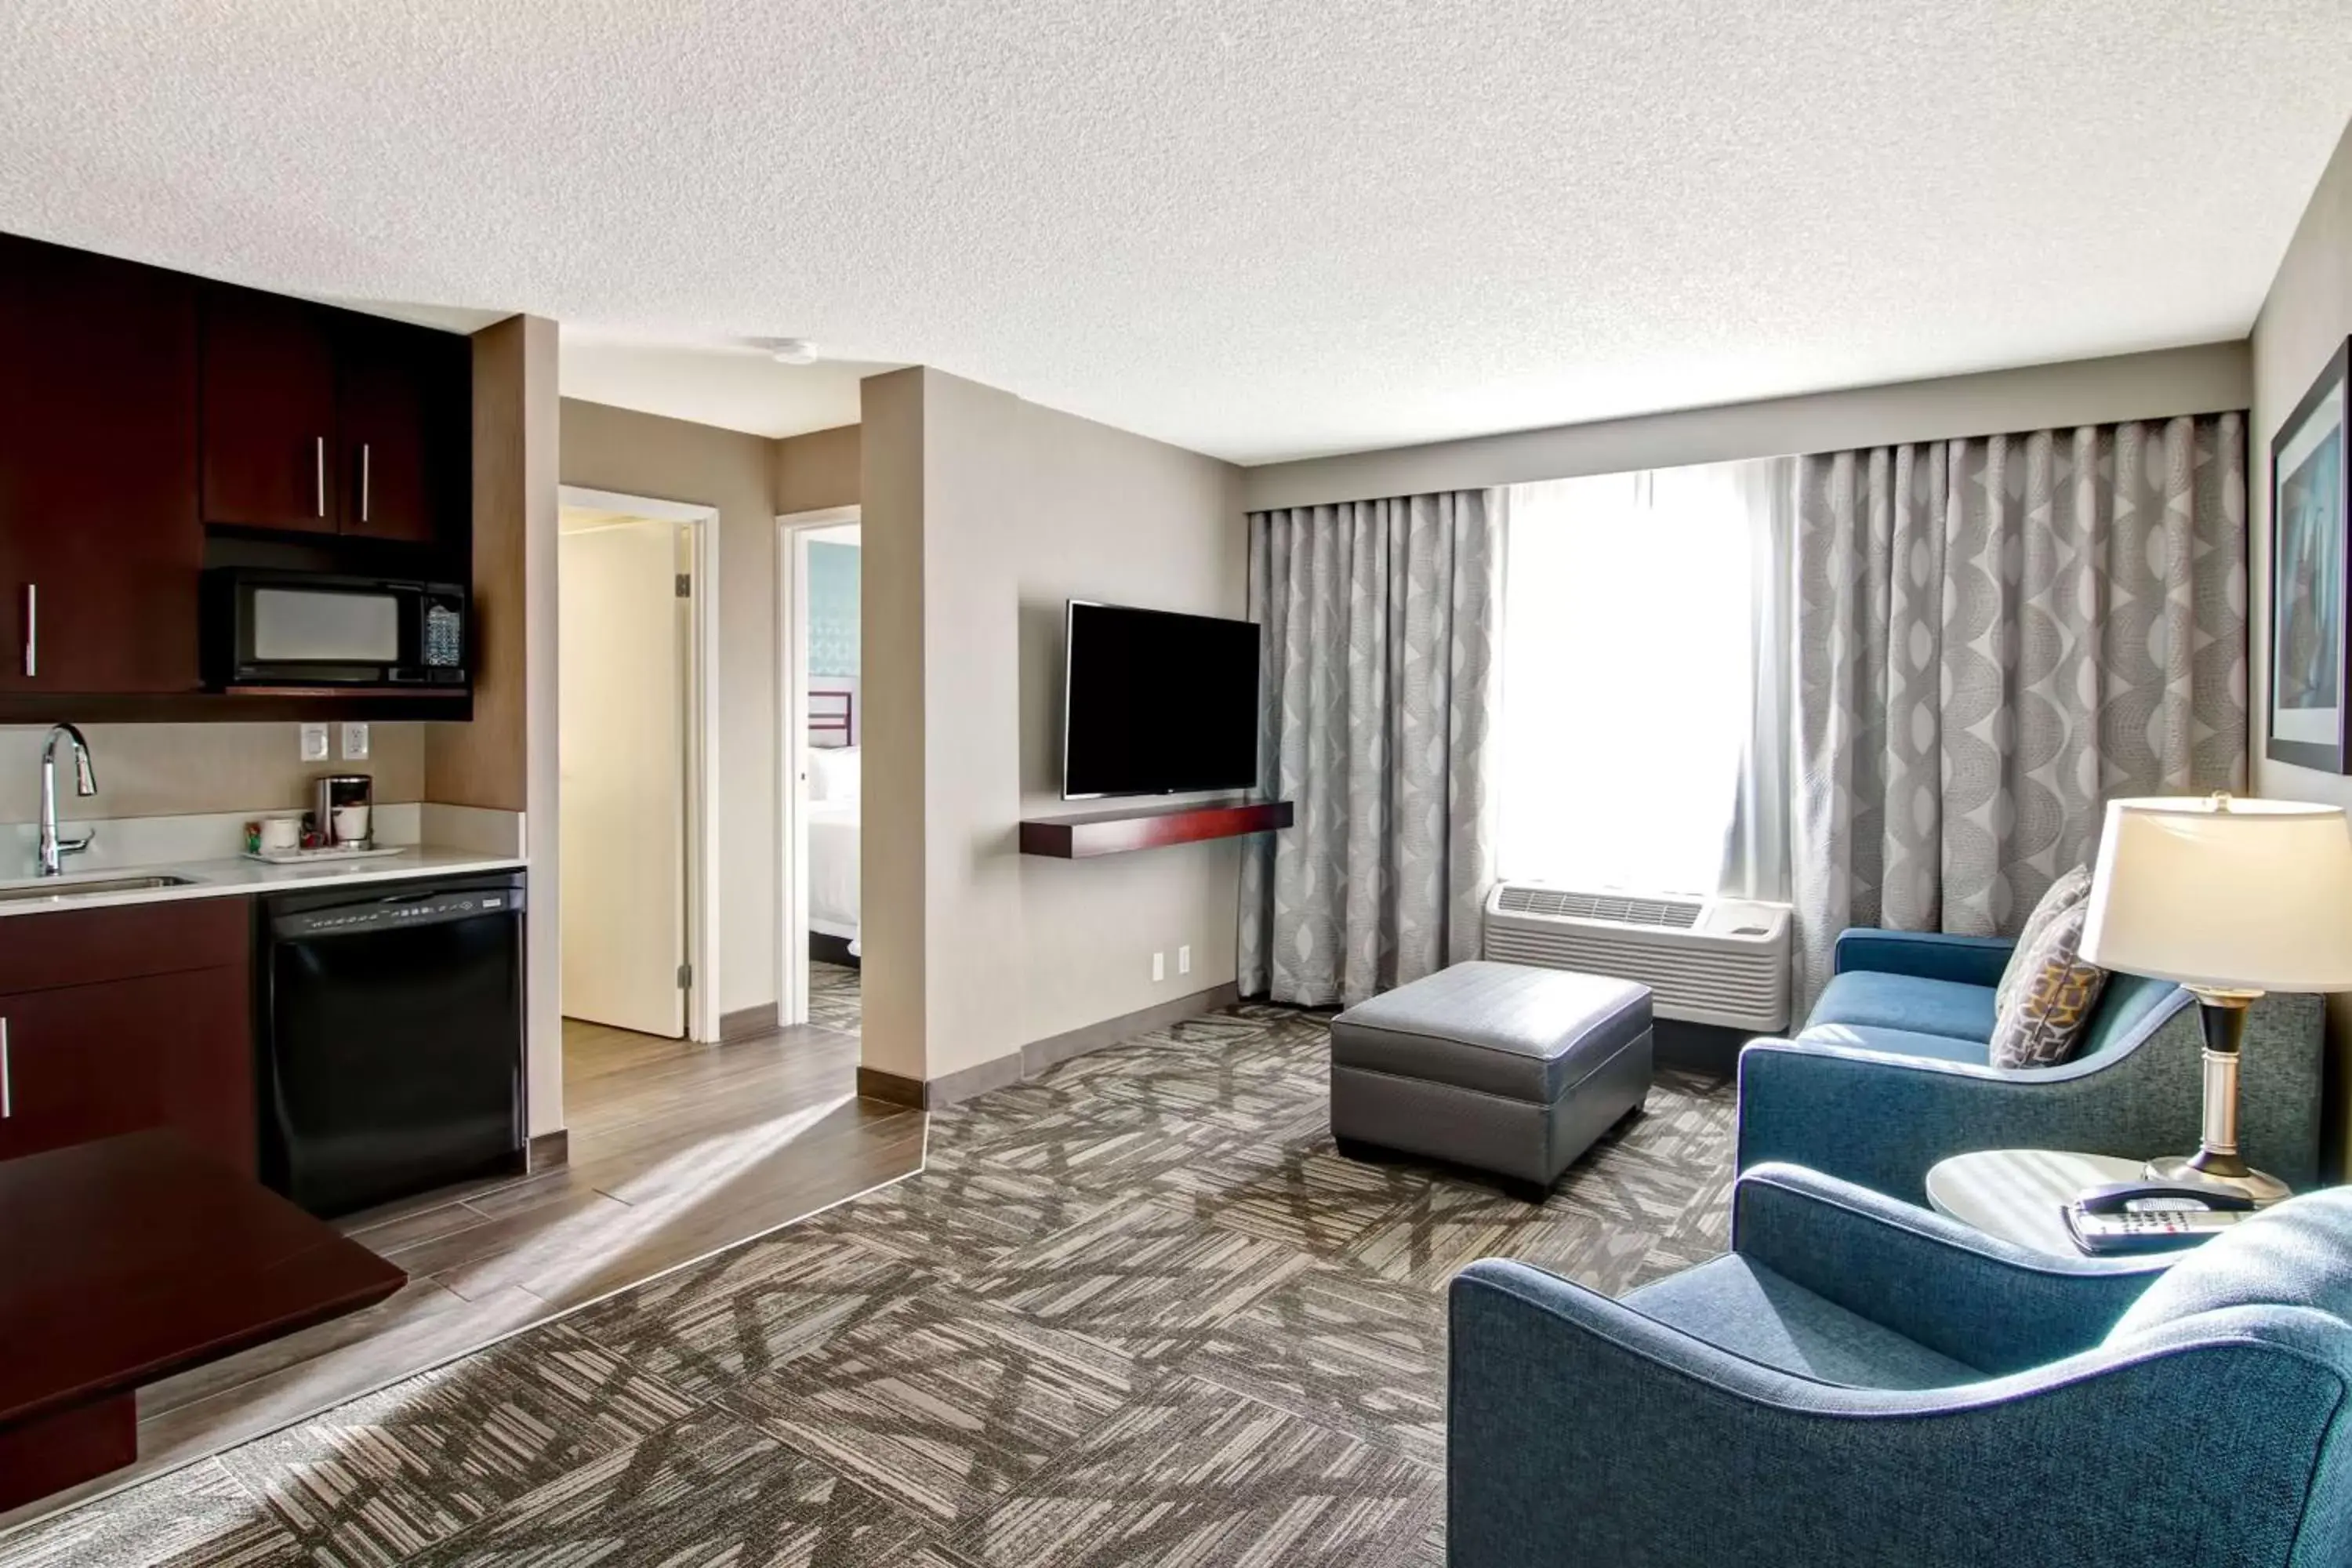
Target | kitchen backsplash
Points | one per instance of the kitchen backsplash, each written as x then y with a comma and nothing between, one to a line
172,769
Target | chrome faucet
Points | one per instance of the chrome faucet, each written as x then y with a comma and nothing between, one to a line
54,848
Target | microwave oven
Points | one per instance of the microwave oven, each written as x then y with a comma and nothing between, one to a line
270,627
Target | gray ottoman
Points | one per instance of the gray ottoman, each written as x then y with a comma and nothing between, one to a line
1499,1066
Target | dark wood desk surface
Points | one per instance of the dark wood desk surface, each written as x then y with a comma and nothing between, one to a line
128,1259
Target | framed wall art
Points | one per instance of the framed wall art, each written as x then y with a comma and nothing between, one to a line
2311,663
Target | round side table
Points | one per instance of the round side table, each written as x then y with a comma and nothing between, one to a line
2016,1193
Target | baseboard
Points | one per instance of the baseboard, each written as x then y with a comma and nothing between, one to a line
1039,1055
1001,1072
896,1089
970,1083
548,1150
745,1022
933,1094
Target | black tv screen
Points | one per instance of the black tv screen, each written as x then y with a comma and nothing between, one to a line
1157,703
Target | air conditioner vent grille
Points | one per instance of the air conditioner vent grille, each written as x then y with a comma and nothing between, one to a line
1673,914
1705,960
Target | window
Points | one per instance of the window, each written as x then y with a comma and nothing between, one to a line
1630,620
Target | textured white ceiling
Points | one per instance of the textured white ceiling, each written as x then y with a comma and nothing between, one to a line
1260,230
735,385
726,385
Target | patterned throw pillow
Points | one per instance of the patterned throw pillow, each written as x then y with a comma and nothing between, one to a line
2064,893
2043,1024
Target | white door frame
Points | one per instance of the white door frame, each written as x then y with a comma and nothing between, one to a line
793,529
702,1013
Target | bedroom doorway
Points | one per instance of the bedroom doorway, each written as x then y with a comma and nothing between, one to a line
634,640
823,721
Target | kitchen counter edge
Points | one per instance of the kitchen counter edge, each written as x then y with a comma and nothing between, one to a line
246,879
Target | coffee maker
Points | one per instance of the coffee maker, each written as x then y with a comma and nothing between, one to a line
343,811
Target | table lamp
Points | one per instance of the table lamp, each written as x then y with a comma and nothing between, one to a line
2232,898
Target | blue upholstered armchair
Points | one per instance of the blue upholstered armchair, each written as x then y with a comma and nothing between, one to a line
1860,1384
1890,1073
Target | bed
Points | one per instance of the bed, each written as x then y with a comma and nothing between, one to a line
833,802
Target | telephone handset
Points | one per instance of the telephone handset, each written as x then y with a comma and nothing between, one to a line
2151,1216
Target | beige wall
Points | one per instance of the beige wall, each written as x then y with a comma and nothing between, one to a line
2305,318
1114,517
996,510
818,470
670,459
974,475
2082,392
170,770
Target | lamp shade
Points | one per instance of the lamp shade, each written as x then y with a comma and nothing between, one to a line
2251,895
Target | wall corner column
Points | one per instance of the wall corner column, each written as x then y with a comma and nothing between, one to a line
506,759
894,1044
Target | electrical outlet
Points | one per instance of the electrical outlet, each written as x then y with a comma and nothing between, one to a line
356,743
314,742
1158,966
1184,959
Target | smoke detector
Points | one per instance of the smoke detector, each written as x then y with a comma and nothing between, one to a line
792,350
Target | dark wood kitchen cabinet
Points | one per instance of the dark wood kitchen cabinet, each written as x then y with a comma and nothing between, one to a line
100,547
119,1020
325,421
403,430
152,425
268,411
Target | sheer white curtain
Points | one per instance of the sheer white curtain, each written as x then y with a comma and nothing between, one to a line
1644,671
1756,862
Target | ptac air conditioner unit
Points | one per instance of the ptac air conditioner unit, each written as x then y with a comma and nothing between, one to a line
1705,960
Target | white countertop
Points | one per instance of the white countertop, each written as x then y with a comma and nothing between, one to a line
238,878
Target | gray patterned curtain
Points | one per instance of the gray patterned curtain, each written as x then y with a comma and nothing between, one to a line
1378,621
1993,637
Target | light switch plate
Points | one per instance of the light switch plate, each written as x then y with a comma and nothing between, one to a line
314,742
1158,966
1184,959
356,743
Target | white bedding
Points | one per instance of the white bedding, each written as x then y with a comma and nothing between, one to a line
832,868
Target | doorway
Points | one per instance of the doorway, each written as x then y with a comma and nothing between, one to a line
635,633
821,721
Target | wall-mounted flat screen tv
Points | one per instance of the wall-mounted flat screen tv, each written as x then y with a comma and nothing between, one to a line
1158,703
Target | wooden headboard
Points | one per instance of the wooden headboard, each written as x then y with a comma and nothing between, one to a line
832,714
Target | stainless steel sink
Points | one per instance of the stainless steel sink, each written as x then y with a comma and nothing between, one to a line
74,887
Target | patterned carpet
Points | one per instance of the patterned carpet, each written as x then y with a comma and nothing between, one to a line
835,1000
1136,1312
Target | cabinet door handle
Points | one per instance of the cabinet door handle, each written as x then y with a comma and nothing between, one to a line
32,630
364,482
319,482
7,1090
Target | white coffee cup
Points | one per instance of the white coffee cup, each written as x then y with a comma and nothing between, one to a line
351,824
281,833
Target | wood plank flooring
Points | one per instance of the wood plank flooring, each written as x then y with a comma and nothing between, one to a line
677,1150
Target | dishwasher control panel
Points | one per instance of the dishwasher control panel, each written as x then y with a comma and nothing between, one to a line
399,910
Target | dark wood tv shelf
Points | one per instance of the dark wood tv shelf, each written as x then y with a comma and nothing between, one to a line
1118,831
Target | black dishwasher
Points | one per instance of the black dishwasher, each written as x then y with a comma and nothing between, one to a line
391,1038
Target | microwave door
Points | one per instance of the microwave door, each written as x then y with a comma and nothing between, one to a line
316,634
265,626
